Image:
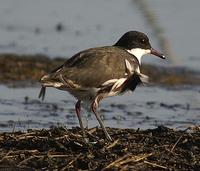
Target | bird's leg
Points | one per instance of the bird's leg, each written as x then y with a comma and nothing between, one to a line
78,110
94,109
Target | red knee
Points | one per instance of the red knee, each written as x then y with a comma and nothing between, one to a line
78,106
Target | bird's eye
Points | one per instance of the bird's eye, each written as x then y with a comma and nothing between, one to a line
143,41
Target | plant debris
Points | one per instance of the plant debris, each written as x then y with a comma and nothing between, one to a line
64,149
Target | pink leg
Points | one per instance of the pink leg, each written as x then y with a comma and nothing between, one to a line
94,108
78,110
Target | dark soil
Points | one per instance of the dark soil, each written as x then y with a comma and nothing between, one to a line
26,70
62,149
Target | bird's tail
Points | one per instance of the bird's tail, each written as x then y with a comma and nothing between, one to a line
144,78
43,89
42,92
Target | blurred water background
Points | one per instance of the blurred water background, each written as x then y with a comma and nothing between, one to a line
64,27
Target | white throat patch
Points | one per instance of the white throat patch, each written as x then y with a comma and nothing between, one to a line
138,53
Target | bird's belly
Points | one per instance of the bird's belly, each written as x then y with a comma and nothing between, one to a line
86,94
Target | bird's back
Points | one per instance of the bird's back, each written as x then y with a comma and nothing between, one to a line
93,67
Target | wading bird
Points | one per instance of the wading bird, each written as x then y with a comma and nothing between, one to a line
96,73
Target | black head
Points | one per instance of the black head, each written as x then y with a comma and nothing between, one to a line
136,40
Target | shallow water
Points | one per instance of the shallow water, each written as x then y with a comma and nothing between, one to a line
66,27
84,24
147,107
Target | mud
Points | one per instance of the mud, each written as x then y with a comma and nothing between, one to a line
64,149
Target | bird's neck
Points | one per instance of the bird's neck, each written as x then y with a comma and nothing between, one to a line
138,53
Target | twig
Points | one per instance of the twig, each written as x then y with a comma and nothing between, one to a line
26,137
57,156
155,165
7,154
70,163
60,145
113,144
25,134
75,135
12,154
91,131
63,137
116,161
25,160
135,158
126,159
176,143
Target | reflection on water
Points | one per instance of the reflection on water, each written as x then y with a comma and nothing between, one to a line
147,107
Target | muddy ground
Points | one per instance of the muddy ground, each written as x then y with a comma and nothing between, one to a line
64,149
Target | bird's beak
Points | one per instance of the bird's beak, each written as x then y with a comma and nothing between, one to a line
156,53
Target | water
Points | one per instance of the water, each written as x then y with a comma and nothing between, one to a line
180,22
62,28
147,107
29,26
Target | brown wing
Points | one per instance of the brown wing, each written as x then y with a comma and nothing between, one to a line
92,67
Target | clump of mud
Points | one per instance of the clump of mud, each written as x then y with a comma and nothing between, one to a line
64,149
26,69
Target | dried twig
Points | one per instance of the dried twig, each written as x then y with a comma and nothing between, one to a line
58,156
7,154
25,135
91,131
126,159
113,144
155,165
176,143
25,160
63,137
70,163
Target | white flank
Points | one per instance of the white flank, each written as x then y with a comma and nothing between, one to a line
128,67
112,81
45,77
118,83
52,84
138,53
57,84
